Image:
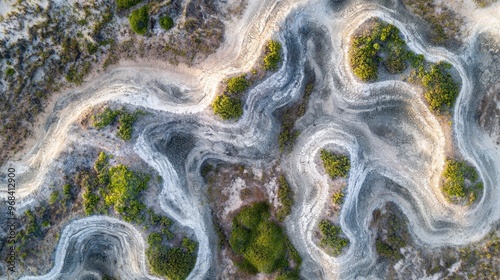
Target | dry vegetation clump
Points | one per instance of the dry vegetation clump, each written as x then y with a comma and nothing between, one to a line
445,23
289,116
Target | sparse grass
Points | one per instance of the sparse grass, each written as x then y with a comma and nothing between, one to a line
331,237
139,20
335,165
445,24
484,3
125,121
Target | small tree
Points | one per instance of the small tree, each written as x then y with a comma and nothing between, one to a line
166,22
139,20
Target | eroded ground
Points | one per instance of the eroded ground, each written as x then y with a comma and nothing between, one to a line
394,220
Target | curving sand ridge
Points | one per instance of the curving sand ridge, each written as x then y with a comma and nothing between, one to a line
396,145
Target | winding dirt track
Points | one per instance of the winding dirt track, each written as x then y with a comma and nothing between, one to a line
396,145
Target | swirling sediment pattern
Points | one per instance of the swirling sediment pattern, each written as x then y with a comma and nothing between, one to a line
396,145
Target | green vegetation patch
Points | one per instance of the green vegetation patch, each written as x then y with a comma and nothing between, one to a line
10,71
120,188
335,165
273,55
392,235
125,121
285,197
227,107
338,197
440,88
172,262
166,22
260,241
139,20
330,237
461,182
379,43
237,84
125,4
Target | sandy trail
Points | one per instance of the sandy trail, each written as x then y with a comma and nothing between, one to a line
396,145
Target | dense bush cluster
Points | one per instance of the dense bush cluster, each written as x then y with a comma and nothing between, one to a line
273,55
125,121
382,43
440,89
260,241
237,84
166,22
331,237
139,20
461,182
379,43
285,197
120,188
391,237
174,263
335,165
227,107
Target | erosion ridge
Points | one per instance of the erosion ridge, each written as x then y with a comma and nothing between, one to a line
396,145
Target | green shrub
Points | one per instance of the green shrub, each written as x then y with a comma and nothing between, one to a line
260,241
125,128
54,196
237,84
139,20
330,237
335,165
380,43
338,197
126,121
10,71
174,263
440,88
105,118
227,107
166,22
273,55
91,48
123,191
460,181
125,4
